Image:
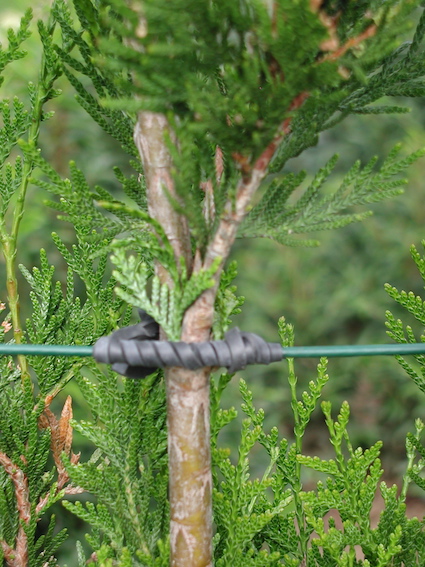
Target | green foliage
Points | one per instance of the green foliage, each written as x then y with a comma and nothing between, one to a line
341,299
128,471
402,333
230,66
253,513
414,448
237,81
166,305
334,520
33,476
15,39
60,318
15,125
227,303
349,490
116,123
77,200
28,482
275,218
227,75
405,334
242,509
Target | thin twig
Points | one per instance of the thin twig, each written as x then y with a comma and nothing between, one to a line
18,556
350,43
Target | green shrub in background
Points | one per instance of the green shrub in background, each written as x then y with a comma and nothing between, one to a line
243,86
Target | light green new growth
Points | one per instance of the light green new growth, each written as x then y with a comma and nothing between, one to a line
167,306
415,305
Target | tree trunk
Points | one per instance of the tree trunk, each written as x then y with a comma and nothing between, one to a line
188,404
188,414
188,411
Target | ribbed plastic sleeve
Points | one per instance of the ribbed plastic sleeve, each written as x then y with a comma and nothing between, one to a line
133,353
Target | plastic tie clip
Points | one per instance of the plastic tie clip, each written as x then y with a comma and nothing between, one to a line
136,352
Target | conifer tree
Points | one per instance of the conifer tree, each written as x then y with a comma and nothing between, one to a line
219,108
211,100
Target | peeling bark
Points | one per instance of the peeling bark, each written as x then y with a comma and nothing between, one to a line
149,136
190,467
187,392
17,557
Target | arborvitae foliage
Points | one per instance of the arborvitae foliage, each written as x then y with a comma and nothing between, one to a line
244,87
274,217
128,472
228,76
34,443
328,526
402,333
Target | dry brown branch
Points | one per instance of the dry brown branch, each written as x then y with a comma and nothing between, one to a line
64,436
332,44
349,44
219,164
68,490
7,551
18,556
61,441
330,22
208,187
61,434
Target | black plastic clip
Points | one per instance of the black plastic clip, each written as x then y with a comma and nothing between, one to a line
136,352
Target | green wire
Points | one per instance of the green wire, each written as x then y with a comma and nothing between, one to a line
352,350
46,350
289,352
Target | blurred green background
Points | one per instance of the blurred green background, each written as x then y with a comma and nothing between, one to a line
333,294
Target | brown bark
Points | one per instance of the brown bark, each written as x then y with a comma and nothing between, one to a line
149,136
187,392
17,557
190,467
